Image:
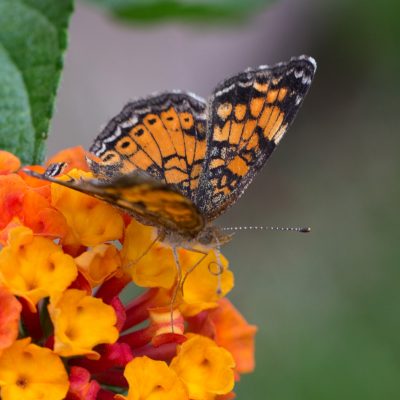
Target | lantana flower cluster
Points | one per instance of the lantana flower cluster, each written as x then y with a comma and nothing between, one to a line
65,333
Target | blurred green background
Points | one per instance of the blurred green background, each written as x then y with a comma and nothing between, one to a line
327,303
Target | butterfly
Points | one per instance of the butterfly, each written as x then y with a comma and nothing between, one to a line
176,161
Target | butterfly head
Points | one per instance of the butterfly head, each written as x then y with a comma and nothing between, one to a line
213,237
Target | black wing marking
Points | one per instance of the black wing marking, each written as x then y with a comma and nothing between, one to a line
163,135
250,113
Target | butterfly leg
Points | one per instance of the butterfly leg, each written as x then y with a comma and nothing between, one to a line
133,262
177,285
191,269
180,282
218,273
220,269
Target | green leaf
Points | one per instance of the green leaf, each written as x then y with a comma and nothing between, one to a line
193,10
32,42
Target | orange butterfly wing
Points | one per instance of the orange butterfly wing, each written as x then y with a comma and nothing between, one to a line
148,200
163,135
250,113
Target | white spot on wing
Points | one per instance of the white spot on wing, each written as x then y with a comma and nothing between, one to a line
195,96
145,110
102,149
279,135
245,84
298,74
309,59
130,122
117,133
191,94
306,80
224,90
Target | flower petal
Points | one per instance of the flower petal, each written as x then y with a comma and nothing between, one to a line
10,310
8,162
31,372
81,386
91,221
235,334
81,322
30,206
150,263
152,380
206,284
228,328
99,263
205,368
34,267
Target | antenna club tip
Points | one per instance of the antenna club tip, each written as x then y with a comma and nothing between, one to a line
306,229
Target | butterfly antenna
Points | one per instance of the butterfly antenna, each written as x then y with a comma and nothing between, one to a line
267,228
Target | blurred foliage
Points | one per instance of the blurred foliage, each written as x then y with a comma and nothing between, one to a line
32,43
369,33
189,10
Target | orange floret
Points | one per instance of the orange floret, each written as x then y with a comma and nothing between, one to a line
152,380
91,221
206,283
41,217
150,263
22,204
12,192
8,162
30,372
205,368
34,267
40,184
235,334
10,310
99,263
81,322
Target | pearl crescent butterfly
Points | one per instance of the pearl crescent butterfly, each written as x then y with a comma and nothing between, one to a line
176,161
